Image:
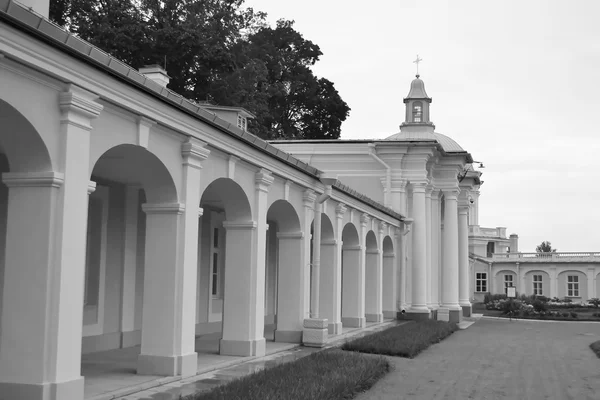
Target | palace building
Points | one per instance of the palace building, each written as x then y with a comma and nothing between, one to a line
143,235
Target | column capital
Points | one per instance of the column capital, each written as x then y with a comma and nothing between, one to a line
91,187
263,179
451,193
463,210
382,227
236,225
428,190
435,193
399,185
193,152
163,208
364,219
33,179
419,186
290,235
308,197
340,210
78,107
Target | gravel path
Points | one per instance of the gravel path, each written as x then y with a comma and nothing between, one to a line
495,359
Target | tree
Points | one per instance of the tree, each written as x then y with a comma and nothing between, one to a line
545,247
217,51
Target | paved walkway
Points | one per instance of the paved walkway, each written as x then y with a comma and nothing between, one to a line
499,359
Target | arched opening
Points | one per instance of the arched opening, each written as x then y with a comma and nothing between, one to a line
330,293
390,277
417,111
572,284
132,282
352,279
373,279
225,242
28,275
284,289
537,283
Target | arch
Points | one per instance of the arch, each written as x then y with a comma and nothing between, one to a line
327,233
536,287
134,165
388,246
21,143
284,215
227,195
506,270
284,274
371,241
577,291
350,235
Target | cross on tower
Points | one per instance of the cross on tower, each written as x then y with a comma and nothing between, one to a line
417,61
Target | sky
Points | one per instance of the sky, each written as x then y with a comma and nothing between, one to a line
515,83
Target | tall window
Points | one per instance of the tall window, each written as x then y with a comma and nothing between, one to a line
537,285
417,111
491,249
572,286
242,123
215,262
508,282
481,282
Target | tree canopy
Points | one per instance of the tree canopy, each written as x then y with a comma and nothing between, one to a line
545,247
221,52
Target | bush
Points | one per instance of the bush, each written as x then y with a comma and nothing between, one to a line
329,374
406,340
596,348
596,314
540,306
573,314
595,302
567,300
511,306
565,314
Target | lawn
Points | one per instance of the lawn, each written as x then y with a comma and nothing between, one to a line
583,314
406,340
328,375
596,348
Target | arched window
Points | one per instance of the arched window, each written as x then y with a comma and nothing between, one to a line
417,111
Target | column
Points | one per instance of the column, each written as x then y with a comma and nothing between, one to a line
450,310
244,305
435,249
553,282
132,199
418,309
330,285
428,290
290,291
335,309
170,275
42,316
399,196
374,282
401,261
463,256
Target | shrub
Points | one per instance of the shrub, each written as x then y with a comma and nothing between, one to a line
539,305
565,314
595,302
543,299
567,300
573,314
596,348
511,306
596,314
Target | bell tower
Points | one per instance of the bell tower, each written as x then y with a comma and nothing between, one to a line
417,108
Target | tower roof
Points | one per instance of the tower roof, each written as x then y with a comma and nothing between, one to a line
417,90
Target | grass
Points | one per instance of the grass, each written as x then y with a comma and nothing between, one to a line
596,348
583,314
406,340
327,375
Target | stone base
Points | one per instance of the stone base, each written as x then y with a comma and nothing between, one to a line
374,317
288,336
335,328
353,322
417,316
466,310
48,391
389,314
167,366
448,315
315,332
244,348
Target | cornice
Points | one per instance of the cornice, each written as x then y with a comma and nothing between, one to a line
33,179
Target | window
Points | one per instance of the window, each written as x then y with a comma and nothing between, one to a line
572,286
481,282
417,111
242,123
508,282
215,265
537,285
491,249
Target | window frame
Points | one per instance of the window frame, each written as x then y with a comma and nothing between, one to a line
573,281
538,285
417,111
507,281
481,282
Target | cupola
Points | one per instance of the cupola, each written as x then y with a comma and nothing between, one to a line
417,106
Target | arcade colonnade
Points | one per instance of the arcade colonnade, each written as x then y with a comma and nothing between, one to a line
127,220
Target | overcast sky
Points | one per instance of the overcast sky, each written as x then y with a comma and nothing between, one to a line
515,83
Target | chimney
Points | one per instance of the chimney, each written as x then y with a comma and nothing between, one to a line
514,243
156,73
41,7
